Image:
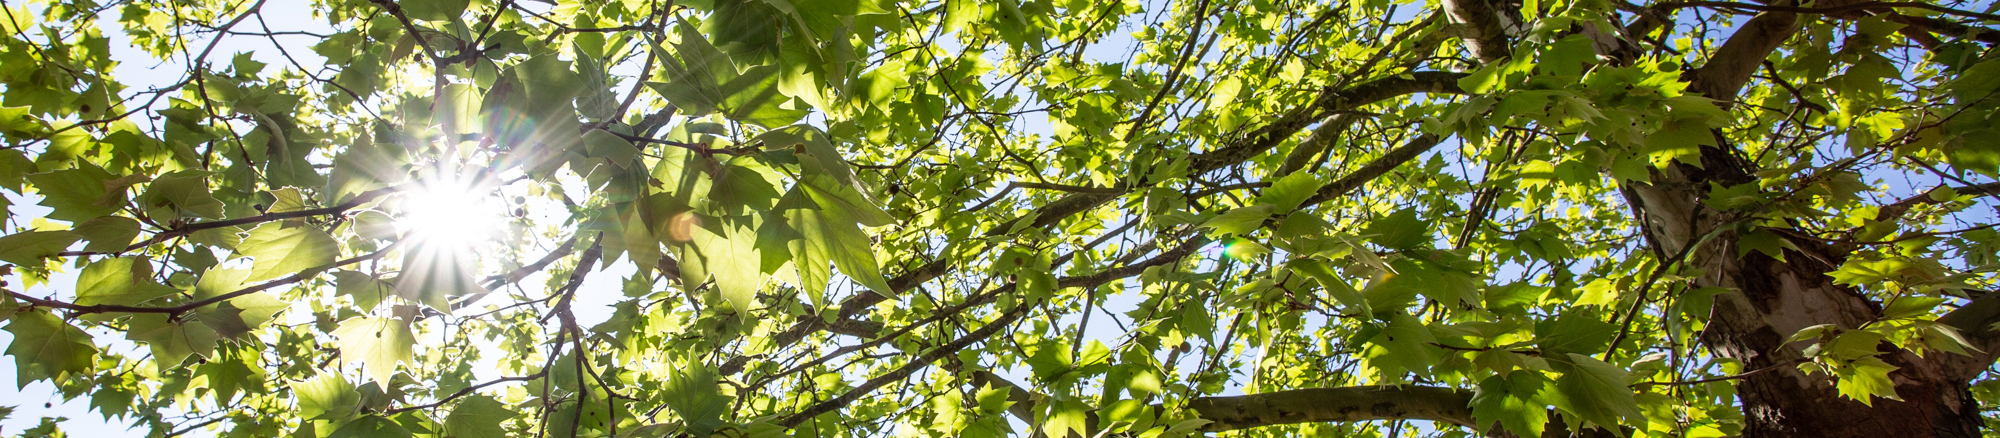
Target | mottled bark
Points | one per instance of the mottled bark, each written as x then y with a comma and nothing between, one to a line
1484,25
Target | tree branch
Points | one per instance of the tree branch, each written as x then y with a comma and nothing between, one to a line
1309,405
184,230
1374,169
1896,210
1731,65
1256,142
197,304
1353,403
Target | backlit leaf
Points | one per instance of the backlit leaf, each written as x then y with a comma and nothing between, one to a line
280,251
379,343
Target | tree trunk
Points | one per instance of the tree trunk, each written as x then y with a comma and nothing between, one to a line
1773,299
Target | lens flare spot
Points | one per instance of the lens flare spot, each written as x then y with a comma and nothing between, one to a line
1244,249
681,227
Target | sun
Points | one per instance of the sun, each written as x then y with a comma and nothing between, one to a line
458,213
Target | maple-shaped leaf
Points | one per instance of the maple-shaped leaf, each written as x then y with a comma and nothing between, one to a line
171,340
119,280
45,347
478,416
378,343
280,251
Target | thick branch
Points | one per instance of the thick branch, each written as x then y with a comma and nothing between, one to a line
1353,403
1731,66
1948,27
1838,9
1309,405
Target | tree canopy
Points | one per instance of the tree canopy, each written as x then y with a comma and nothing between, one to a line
1005,217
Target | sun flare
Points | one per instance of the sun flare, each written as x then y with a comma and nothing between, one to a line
452,213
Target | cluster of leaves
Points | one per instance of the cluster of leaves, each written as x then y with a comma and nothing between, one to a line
952,217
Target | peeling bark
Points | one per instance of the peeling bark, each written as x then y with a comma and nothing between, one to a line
1484,25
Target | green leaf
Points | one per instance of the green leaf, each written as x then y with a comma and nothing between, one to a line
1286,193
14,165
1514,401
17,123
1945,338
1240,221
237,316
1599,292
729,253
478,416
754,98
220,281
959,13
603,144
844,200
1859,270
1573,332
187,191
1866,378
824,17
1482,80
695,76
108,234
1594,390
77,195
550,85
1853,345
1910,307
364,166
327,397
436,10
378,343
27,248
375,225
8,306
284,200
123,281
171,340
1769,243
826,237
1679,140
694,395
1351,301
280,251
1400,230
371,426
230,373
364,289
993,400
1403,345
1066,418
45,347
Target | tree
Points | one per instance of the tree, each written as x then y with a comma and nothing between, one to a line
1026,217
